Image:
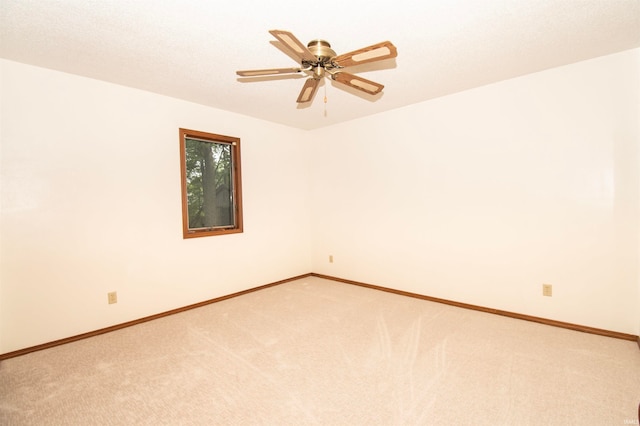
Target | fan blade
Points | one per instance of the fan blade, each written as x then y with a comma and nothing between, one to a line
376,52
272,71
308,90
359,83
295,45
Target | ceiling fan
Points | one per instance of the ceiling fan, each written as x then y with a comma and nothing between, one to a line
318,58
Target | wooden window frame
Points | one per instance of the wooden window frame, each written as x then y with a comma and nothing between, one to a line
236,177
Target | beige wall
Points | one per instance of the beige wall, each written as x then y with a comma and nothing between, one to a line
91,204
478,197
483,196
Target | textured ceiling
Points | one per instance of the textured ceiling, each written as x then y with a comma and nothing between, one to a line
190,49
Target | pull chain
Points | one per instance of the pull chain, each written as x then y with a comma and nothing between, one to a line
325,99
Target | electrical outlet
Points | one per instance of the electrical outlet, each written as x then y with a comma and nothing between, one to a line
112,297
547,290
330,258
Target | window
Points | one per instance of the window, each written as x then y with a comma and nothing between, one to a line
211,184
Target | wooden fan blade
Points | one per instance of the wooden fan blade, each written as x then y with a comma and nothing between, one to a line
295,45
376,52
272,71
359,83
308,90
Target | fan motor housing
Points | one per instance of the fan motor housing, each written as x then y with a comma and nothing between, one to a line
322,50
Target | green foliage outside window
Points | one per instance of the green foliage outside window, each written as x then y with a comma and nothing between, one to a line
209,184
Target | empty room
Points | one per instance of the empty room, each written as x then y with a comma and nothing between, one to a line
360,213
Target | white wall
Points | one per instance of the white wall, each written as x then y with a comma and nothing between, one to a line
483,196
478,197
637,112
90,178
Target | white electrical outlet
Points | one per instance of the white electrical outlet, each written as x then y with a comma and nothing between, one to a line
547,290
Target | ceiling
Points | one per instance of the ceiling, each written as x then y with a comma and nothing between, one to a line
190,49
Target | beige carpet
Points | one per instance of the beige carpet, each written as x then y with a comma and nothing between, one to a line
318,352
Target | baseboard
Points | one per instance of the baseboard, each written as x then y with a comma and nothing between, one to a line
141,320
554,323
561,324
